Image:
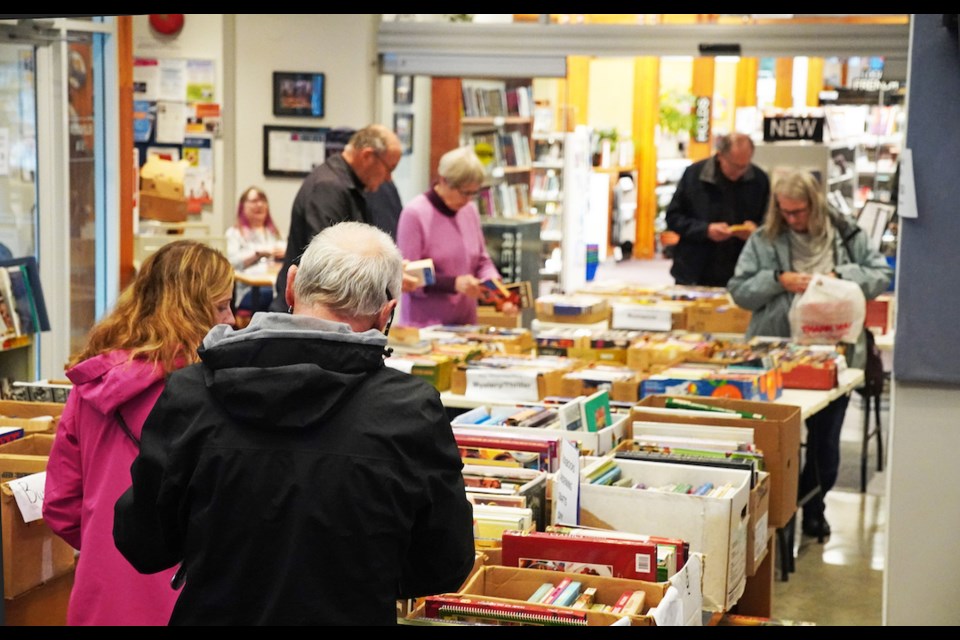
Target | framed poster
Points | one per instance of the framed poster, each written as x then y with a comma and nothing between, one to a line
402,89
298,94
403,127
874,218
293,152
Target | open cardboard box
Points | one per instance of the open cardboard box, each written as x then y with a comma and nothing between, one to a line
777,435
32,554
512,584
757,528
32,417
713,526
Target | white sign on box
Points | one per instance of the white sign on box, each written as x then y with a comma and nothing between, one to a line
642,318
504,385
28,492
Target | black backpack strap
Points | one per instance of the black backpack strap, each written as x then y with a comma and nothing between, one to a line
126,429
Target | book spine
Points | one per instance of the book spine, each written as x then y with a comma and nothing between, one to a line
569,595
621,601
541,591
557,590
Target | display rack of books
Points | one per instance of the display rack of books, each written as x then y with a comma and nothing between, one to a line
497,122
547,198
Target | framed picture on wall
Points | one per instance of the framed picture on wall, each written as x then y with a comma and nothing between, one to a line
403,90
293,152
403,127
298,94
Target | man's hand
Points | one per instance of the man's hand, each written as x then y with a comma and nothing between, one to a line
510,309
718,231
744,230
469,286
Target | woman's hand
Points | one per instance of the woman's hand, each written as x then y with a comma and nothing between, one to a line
469,286
795,282
510,309
409,283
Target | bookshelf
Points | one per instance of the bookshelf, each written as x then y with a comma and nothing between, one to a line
546,200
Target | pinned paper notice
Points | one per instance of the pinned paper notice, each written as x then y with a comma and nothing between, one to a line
28,492
907,193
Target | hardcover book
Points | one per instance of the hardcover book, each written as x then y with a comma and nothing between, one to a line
633,559
456,607
596,411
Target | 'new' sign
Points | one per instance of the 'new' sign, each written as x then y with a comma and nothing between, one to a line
792,128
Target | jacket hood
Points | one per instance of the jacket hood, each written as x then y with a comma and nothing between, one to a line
287,371
109,380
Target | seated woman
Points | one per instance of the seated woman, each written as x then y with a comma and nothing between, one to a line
252,240
444,224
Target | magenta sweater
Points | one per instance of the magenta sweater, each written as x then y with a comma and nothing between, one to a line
454,240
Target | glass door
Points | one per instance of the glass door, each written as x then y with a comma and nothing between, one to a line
18,199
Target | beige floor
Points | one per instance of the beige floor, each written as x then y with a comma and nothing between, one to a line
840,582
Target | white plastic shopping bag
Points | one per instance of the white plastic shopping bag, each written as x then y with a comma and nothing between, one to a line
831,310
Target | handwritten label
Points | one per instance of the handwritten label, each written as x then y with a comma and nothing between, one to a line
566,489
28,492
505,386
643,318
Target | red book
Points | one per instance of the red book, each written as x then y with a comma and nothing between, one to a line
546,448
622,600
479,609
682,548
633,559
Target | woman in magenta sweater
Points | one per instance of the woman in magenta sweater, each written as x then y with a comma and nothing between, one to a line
443,224
180,292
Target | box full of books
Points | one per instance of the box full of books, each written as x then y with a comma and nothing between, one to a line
776,433
717,318
705,506
577,309
511,378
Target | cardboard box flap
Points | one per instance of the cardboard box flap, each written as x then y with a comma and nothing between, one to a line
163,178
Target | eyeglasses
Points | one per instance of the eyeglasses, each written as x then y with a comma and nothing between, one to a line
467,193
794,212
386,166
256,201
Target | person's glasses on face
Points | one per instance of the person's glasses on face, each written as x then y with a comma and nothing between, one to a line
255,201
790,213
467,193
386,166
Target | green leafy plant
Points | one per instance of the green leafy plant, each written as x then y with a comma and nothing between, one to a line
676,112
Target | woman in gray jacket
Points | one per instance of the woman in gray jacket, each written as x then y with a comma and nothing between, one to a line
800,237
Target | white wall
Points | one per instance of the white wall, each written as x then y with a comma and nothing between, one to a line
342,46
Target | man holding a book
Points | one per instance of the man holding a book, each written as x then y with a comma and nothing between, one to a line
294,477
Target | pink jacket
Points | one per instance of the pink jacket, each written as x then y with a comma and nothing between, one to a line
89,468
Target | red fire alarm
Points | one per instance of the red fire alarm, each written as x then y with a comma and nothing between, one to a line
169,24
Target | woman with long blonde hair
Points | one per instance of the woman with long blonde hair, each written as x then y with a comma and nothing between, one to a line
179,294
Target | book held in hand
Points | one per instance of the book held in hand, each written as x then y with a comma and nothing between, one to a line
423,270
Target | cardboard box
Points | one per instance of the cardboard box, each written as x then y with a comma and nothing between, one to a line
42,606
516,585
880,313
165,209
591,442
647,317
758,529
625,389
548,383
717,318
572,309
490,316
32,554
647,357
777,435
820,375
715,527
32,417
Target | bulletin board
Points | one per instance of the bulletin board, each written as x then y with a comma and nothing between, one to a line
177,116
293,152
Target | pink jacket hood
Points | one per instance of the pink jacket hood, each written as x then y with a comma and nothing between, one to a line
111,379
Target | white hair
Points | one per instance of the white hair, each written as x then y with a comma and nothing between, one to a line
351,268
